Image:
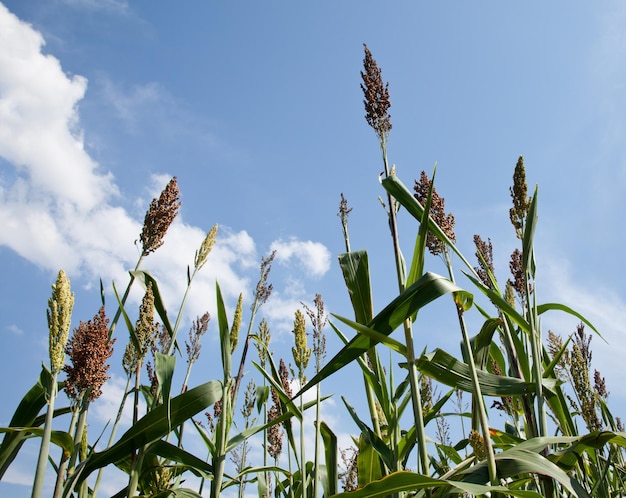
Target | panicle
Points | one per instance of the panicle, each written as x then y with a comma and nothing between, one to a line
146,333
59,314
264,339
301,353
343,213
88,351
484,255
437,213
197,330
477,442
519,196
519,279
318,320
205,248
234,330
263,289
159,217
376,95
274,434
283,372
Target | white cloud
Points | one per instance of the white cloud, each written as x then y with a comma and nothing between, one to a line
38,121
313,257
601,306
106,407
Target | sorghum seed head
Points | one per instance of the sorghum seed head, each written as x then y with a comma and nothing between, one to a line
376,95
159,217
519,195
205,248
301,353
234,330
437,213
88,349
59,315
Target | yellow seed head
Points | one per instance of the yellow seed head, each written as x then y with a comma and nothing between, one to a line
477,442
301,353
205,248
234,330
59,315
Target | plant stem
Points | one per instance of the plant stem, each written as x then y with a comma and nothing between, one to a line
44,449
408,332
478,397
113,432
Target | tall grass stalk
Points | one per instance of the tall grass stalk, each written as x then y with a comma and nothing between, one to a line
59,315
376,106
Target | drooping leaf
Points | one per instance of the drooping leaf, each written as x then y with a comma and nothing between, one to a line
444,368
428,288
405,481
153,426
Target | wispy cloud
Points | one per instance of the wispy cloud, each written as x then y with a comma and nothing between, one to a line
119,7
14,329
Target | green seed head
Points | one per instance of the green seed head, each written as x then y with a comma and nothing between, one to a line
59,315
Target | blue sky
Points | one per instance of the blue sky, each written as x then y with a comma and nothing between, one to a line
256,108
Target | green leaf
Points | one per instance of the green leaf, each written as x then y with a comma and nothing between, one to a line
522,460
371,438
175,454
392,344
355,268
369,464
144,277
528,253
428,288
482,342
542,308
164,367
419,251
129,324
446,369
222,320
62,439
153,426
404,481
25,416
330,455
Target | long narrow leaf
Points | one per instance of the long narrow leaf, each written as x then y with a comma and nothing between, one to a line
404,481
446,369
428,288
355,268
153,426
144,277
330,455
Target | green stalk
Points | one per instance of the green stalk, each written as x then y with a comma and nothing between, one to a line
408,332
535,334
303,476
219,460
58,487
113,432
44,449
317,442
78,434
478,397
